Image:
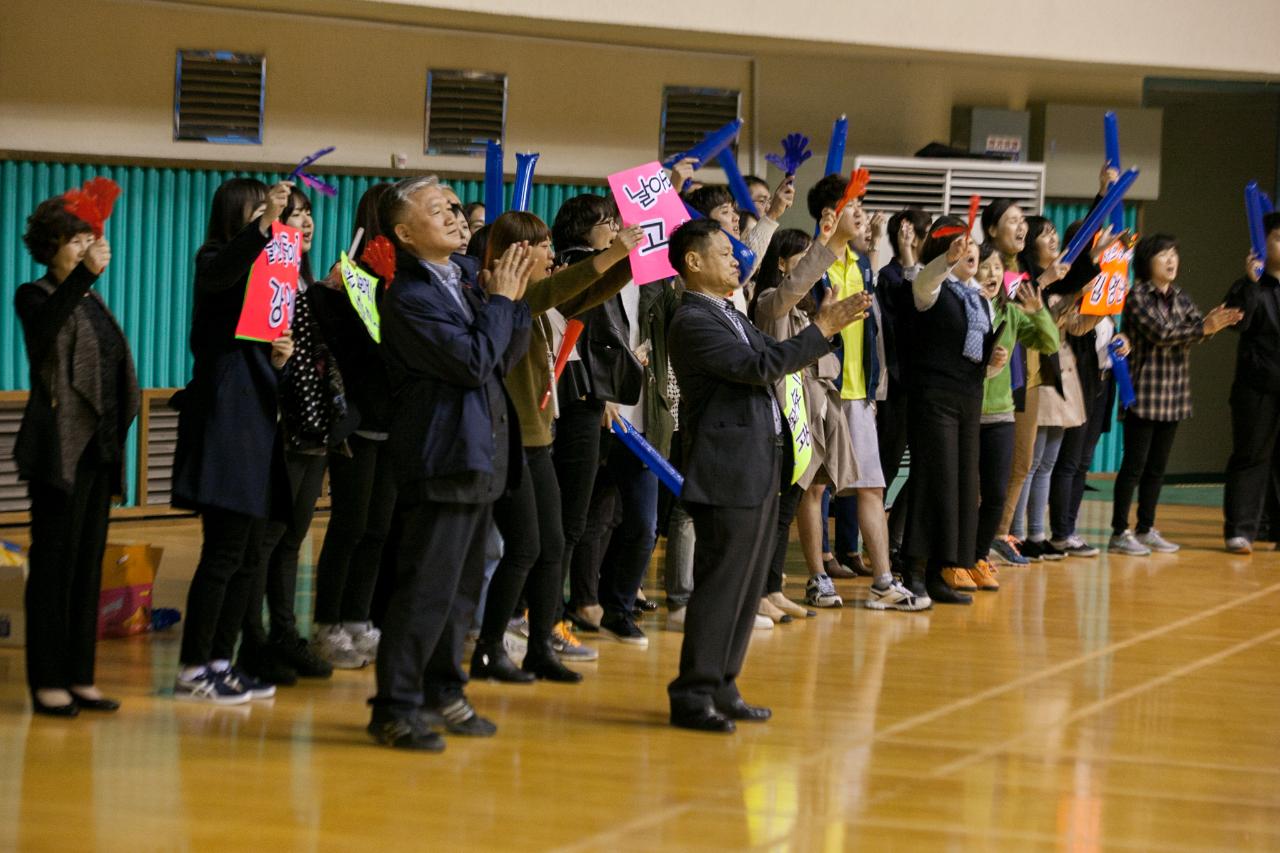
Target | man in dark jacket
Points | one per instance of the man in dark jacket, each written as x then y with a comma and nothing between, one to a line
455,443
737,453
1255,394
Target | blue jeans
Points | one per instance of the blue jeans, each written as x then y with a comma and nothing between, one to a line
631,545
1028,520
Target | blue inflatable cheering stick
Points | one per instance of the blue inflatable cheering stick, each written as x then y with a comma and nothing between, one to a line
835,150
745,257
737,184
1111,136
1120,370
492,181
711,145
652,459
522,192
1093,222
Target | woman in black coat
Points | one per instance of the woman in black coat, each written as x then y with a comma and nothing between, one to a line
70,450
229,449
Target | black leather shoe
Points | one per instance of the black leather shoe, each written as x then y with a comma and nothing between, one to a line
702,720
740,710
263,664
648,605
296,653
86,704
490,661
542,663
941,593
71,709
913,580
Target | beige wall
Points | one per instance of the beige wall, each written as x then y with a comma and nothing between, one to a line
108,87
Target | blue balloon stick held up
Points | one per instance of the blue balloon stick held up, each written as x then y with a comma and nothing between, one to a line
711,145
1111,137
1093,222
492,181
652,459
737,184
835,150
522,192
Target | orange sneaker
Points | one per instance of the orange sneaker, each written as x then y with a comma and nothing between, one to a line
959,579
983,576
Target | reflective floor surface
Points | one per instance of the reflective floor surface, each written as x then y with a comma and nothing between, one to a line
1115,703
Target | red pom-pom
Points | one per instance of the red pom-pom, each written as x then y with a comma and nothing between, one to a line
380,256
93,202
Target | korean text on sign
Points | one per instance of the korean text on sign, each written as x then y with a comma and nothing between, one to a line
646,198
267,312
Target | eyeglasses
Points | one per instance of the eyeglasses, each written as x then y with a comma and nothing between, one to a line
611,223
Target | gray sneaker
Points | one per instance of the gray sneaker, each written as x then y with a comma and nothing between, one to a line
1127,543
1153,540
821,592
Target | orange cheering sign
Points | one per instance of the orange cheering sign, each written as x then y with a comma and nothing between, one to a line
1107,292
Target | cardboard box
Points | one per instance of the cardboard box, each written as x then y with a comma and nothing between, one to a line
13,615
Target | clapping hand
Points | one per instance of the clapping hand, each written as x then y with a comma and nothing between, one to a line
510,275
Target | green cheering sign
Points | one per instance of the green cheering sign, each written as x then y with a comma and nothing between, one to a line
797,417
361,287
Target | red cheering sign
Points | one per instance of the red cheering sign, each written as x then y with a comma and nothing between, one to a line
273,285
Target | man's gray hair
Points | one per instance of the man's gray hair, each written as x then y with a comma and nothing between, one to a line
395,202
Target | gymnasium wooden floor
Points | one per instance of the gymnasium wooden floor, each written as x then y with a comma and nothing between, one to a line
1114,703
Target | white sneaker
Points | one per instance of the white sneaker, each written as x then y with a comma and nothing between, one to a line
896,597
1153,540
819,591
1127,543
332,643
1239,545
365,639
763,623
675,619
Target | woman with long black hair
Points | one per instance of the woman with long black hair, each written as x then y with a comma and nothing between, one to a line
228,465
70,450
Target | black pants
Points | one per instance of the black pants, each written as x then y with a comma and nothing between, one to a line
530,523
281,543
942,516
891,431
995,461
577,461
230,554
1255,425
1146,453
362,501
440,570
68,537
731,557
788,503
1066,488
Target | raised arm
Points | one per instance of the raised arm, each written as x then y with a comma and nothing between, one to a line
775,303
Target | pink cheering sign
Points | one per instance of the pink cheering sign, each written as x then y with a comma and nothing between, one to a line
646,198
272,287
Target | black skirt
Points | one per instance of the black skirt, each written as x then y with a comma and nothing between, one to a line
942,511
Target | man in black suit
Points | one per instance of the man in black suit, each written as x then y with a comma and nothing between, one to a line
455,445
737,453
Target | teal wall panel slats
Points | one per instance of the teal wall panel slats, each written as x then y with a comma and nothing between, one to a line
1106,458
155,230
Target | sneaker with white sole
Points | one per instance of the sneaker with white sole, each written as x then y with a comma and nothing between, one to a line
211,688
255,687
364,639
1006,551
1075,546
332,643
820,591
1153,540
896,597
1239,545
1127,543
567,647
621,627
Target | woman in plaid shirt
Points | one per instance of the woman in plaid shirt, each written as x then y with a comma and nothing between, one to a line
1162,323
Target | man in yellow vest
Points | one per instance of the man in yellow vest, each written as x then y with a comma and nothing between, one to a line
863,381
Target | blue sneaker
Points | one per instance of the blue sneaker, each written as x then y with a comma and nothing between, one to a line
1006,552
210,687
254,687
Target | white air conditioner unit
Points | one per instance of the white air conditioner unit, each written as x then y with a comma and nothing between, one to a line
944,186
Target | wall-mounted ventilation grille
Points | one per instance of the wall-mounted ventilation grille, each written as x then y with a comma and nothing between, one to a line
13,492
945,185
689,114
218,97
465,109
159,435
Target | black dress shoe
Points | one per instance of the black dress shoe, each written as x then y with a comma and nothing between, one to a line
101,704
71,709
544,664
265,665
740,710
942,593
702,720
491,661
295,652
648,605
